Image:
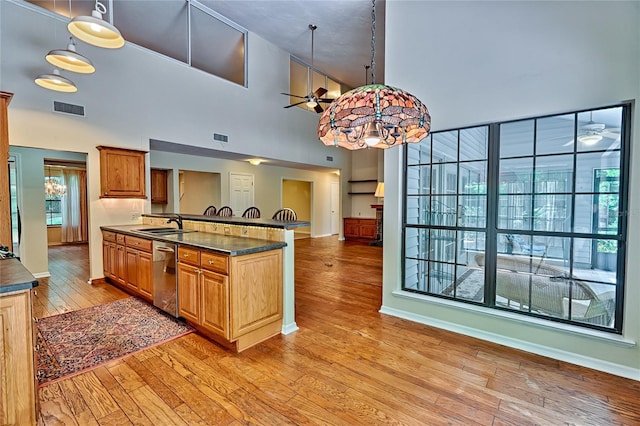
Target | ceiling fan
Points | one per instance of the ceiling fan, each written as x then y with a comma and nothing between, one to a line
312,99
591,133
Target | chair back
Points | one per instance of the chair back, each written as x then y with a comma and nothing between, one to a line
285,214
225,211
210,211
251,213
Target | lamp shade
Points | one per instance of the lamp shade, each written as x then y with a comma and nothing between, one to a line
376,116
56,82
70,60
95,30
379,190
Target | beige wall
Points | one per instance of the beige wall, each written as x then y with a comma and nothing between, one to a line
296,195
199,190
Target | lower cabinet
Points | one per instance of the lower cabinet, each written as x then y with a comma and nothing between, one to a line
128,263
18,401
360,229
237,300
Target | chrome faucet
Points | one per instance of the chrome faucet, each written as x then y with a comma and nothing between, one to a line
177,219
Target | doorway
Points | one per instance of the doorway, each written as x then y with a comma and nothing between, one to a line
296,195
241,192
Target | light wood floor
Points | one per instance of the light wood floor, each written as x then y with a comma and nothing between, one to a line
347,365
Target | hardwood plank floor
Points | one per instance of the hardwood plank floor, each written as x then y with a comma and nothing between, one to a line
348,364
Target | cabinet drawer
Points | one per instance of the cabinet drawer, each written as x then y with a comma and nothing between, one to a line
189,255
120,238
215,262
139,243
109,236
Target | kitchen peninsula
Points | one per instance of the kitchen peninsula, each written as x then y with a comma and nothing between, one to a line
234,275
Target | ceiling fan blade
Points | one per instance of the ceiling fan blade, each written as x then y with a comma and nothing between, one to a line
610,135
319,92
568,143
295,96
326,100
292,105
318,108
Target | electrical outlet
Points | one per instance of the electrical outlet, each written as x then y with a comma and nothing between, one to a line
135,215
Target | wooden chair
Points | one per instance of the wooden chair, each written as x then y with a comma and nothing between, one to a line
285,214
251,213
210,211
225,211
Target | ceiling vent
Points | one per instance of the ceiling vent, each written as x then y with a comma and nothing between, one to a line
220,138
66,108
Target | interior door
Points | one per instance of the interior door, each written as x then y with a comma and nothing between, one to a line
335,207
241,192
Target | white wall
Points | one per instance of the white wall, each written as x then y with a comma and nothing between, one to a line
476,62
136,95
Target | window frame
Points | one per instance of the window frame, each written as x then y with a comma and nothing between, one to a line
492,231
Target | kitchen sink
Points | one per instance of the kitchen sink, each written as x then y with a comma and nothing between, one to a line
164,231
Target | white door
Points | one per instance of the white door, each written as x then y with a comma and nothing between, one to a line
241,192
335,207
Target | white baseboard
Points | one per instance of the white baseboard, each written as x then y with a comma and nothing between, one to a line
41,275
322,235
569,357
289,328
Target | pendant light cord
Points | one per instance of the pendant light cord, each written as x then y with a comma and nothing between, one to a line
373,41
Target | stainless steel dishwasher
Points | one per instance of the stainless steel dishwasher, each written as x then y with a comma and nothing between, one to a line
165,282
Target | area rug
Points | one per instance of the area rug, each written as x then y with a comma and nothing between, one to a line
77,341
469,285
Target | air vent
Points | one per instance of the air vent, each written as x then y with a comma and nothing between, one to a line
329,158
66,108
220,138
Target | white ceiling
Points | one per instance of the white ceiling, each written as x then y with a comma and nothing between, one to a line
342,41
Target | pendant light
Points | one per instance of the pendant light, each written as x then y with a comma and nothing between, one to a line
374,115
56,82
70,60
96,31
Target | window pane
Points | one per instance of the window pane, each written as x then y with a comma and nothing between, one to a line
599,129
418,180
78,7
442,277
334,89
473,177
443,211
216,47
416,243
419,153
166,33
444,178
587,164
472,211
554,174
473,143
514,212
445,146
555,134
443,244
516,139
297,82
515,176
418,210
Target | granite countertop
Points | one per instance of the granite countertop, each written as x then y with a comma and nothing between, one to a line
270,223
227,244
14,276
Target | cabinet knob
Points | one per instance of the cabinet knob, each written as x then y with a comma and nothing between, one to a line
36,320
211,262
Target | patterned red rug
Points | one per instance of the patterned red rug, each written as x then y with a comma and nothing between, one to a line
76,341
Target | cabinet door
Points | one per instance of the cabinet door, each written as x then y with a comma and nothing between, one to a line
121,265
351,228
368,229
189,292
17,390
132,268
113,261
215,303
145,275
158,186
106,260
122,173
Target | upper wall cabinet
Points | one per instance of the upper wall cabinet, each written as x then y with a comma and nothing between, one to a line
158,186
122,173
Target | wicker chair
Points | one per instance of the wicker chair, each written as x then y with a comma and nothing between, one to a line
286,214
225,211
210,211
546,289
251,213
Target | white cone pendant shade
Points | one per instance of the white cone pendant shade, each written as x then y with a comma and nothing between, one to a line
70,60
56,82
96,31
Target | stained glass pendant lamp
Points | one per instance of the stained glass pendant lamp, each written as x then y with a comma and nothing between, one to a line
374,115
96,31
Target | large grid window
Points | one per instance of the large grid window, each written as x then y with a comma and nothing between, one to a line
526,216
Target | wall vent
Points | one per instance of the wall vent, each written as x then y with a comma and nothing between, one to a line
220,138
329,158
66,108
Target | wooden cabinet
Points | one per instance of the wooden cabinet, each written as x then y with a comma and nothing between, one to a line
128,262
5,208
235,299
360,229
122,173
17,360
158,186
